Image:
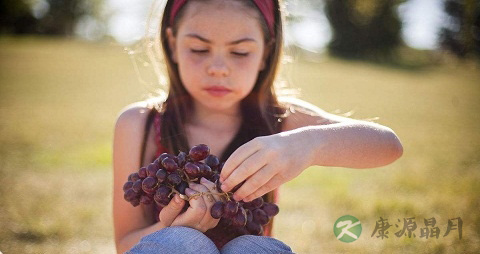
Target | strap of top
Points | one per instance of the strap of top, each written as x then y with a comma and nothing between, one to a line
145,136
158,136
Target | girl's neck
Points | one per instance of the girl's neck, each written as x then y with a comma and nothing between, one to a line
216,120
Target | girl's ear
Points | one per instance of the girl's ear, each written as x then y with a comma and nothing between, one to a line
172,43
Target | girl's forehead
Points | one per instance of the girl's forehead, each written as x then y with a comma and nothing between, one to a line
222,22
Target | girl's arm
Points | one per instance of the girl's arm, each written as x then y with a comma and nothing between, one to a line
340,141
130,223
311,136
133,223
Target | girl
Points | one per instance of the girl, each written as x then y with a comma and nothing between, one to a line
222,57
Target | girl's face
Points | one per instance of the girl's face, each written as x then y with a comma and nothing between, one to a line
219,49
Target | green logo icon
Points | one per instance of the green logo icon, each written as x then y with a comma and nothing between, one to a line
347,228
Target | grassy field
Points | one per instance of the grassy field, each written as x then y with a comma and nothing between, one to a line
59,100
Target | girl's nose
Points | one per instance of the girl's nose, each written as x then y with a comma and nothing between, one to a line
218,68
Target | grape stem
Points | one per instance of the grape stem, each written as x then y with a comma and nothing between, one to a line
186,198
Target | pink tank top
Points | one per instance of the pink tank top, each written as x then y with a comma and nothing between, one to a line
219,236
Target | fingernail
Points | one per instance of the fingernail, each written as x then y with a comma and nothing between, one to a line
177,199
224,188
203,180
236,197
189,191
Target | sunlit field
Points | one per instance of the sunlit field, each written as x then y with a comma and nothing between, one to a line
59,100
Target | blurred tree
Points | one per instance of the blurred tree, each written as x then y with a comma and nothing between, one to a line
366,29
15,17
51,17
461,33
61,16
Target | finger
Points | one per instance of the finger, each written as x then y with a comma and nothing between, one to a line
171,211
207,221
212,188
238,156
255,182
194,213
208,198
249,166
274,183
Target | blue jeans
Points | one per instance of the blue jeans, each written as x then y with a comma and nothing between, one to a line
175,240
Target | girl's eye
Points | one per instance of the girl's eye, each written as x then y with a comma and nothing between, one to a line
206,51
199,51
240,54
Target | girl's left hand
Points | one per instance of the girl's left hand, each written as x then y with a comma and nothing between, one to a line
265,163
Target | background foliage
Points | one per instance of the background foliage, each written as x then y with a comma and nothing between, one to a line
60,97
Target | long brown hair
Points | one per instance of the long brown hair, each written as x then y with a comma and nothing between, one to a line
262,114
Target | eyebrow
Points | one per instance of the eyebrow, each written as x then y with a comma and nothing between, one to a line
230,43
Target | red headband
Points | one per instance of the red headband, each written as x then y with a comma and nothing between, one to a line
266,7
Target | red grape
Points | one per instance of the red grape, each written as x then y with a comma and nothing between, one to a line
134,177
205,170
230,209
149,184
146,200
254,228
163,192
127,185
199,152
191,170
152,169
142,172
135,202
270,209
137,186
169,164
163,156
129,195
161,175
240,218
181,187
249,215
217,210
212,161
256,203
161,202
215,177
182,159
259,216
174,179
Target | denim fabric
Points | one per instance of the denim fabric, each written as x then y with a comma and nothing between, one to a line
176,240
255,244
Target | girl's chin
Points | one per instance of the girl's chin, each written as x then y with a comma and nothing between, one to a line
224,106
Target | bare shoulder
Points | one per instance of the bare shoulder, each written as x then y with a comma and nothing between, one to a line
303,114
135,114
132,115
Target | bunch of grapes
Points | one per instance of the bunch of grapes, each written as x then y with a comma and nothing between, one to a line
169,174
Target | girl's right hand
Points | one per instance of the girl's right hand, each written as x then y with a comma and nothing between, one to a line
197,215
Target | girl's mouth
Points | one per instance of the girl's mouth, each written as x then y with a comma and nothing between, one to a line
218,91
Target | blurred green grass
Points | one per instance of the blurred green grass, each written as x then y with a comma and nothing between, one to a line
59,99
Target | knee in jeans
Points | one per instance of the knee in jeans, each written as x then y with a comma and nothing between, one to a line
253,243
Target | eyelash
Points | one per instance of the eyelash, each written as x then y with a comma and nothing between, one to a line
205,51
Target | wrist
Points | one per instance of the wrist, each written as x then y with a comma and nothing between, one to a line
305,141
159,226
310,139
